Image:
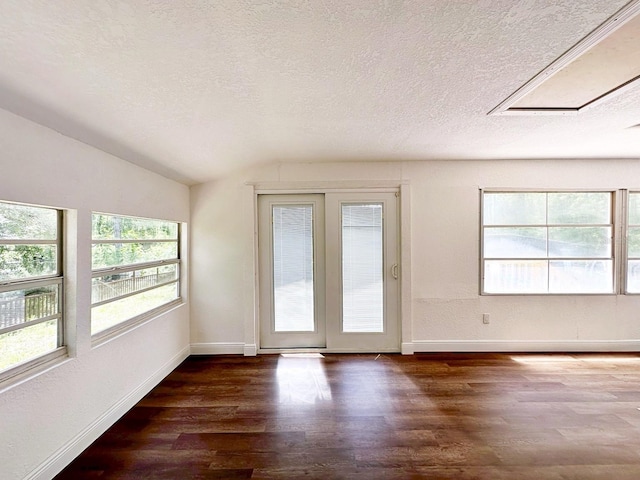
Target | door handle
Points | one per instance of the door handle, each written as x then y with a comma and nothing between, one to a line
394,271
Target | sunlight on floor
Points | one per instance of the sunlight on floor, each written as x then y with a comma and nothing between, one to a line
544,360
301,379
528,359
631,359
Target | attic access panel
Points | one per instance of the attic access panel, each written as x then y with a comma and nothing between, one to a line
603,64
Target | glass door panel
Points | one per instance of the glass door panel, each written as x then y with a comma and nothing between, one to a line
293,279
362,268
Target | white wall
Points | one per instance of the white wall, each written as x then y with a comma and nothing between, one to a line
444,304
49,419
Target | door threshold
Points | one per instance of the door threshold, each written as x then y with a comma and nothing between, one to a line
291,350
266,351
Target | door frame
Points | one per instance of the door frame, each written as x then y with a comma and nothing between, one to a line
402,189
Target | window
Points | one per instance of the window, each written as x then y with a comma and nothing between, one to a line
136,268
31,325
547,242
633,243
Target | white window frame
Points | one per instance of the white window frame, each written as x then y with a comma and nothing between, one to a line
617,266
132,267
56,279
624,276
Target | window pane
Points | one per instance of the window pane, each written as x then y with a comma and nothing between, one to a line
577,242
522,208
118,254
633,276
362,268
116,312
579,207
515,276
112,286
115,227
129,242
581,276
20,306
634,208
23,222
28,343
18,262
633,242
515,242
293,276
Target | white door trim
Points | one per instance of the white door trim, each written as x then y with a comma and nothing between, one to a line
251,192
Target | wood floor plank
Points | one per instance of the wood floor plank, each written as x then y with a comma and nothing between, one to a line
427,416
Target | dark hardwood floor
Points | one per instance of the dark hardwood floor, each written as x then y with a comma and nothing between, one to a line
454,416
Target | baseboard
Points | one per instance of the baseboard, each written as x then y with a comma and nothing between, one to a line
250,350
61,458
407,348
218,348
525,346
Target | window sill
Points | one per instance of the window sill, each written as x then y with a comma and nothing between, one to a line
26,371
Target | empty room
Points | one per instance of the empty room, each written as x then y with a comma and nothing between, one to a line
368,239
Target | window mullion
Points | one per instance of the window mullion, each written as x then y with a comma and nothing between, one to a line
29,241
30,323
30,283
132,240
133,267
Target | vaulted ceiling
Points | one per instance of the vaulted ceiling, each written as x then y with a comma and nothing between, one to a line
194,89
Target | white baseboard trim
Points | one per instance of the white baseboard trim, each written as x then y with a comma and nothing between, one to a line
61,458
218,348
250,350
525,346
407,348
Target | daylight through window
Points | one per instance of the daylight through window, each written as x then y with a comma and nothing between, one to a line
136,268
633,243
31,325
547,242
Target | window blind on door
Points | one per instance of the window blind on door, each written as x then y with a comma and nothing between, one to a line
362,268
293,276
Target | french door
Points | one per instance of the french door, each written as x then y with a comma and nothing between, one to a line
329,271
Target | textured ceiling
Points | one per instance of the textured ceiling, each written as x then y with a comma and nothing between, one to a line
194,89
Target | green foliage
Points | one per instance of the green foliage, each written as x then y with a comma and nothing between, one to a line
20,222
116,254
579,208
23,222
111,227
24,261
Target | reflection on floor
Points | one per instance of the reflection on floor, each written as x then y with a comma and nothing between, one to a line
439,416
301,379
